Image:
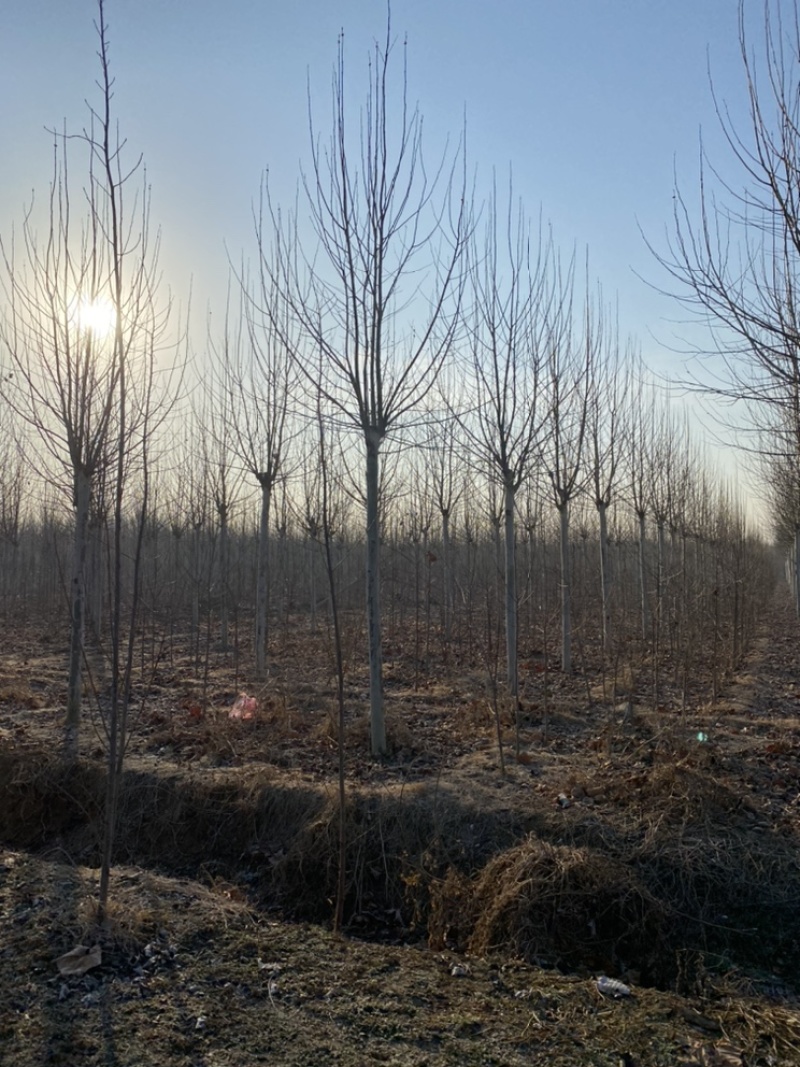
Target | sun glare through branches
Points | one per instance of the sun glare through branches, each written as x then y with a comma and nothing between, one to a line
96,316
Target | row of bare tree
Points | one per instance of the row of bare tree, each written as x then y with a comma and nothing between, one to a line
400,317
443,555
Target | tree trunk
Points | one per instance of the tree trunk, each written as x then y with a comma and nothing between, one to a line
262,582
448,592
223,577
566,590
83,492
120,679
196,590
796,574
377,721
94,577
312,587
643,575
511,592
662,569
605,576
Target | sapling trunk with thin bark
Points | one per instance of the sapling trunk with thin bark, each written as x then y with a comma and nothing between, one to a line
376,708
644,603
262,579
341,882
224,581
605,576
512,639
136,414
565,558
83,490
448,581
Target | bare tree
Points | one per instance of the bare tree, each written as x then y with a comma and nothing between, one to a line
511,298
189,505
737,263
63,373
217,420
135,408
443,464
218,458
178,487
387,256
568,373
638,449
79,303
257,378
663,485
14,480
608,388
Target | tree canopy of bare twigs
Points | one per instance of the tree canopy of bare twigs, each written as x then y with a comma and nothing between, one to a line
736,262
81,329
376,291
512,301
257,377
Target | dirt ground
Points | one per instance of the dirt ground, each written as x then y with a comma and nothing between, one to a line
655,846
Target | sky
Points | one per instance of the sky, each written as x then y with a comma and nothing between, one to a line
595,106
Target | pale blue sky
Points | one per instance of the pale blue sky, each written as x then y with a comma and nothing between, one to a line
592,102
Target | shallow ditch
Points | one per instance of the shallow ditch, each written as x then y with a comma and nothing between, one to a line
659,902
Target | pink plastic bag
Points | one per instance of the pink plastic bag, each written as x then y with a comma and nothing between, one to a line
244,707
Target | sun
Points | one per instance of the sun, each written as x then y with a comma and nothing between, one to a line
97,317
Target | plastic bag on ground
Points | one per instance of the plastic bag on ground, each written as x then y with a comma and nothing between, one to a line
244,707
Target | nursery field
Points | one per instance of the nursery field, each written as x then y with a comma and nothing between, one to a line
488,886
403,670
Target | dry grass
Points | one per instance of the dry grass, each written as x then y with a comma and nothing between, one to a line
566,907
191,976
643,871
618,842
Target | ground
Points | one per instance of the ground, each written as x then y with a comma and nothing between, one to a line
657,846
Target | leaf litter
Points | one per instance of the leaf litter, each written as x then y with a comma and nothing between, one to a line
200,969
189,977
